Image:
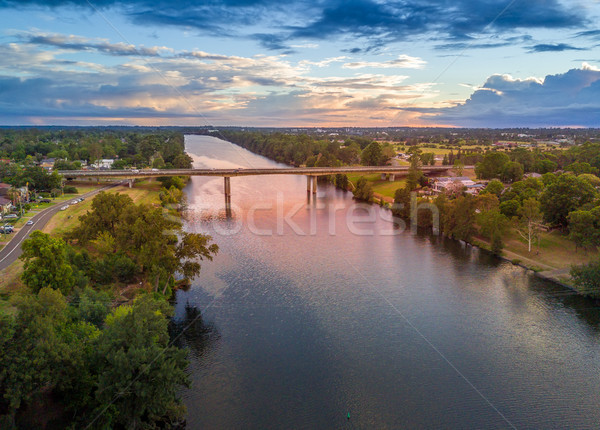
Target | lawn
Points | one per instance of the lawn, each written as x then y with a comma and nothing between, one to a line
555,250
385,188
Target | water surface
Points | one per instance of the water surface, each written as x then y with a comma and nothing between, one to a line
321,318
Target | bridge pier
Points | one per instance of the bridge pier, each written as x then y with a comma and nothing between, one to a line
383,176
227,195
311,180
130,181
392,177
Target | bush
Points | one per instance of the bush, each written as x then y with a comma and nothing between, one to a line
55,192
587,278
70,190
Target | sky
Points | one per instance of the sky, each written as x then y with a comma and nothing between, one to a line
319,63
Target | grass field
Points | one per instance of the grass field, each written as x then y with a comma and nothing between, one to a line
555,250
385,188
142,192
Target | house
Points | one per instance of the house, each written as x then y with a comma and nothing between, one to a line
105,163
5,205
532,175
449,183
48,164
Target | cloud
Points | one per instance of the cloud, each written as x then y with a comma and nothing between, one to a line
373,22
186,87
78,43
402,62
567,99
553,47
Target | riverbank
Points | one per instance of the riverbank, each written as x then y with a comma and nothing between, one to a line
64,221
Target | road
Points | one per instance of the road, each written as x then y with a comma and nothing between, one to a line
12,251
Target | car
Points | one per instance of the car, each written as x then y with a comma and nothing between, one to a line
135,171
64,208
45,201
11,216
29,223
155,170
74,202
5,230
81,199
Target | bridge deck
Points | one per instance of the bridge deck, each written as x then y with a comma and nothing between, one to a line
311,171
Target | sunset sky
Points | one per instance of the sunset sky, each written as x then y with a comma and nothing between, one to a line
484,63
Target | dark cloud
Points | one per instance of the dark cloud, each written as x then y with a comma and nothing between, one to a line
553,47
567,99
373,21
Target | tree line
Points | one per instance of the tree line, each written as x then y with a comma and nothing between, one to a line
69,343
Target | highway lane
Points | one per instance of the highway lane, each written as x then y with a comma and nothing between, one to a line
12,251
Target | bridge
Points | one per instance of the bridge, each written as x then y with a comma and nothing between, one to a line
310,172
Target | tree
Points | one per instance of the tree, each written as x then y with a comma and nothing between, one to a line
140,373
592,179
492,165
372,155
512,172
95,151
182,161
104,216
587,278
493,226
580,168
583,228
46,263
459,217
363,190
401,206
494,187
528,224
414,171
510,208
47,350
341,181
565,195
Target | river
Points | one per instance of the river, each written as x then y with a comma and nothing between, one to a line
316,309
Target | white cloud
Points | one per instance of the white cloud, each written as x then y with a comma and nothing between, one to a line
402,62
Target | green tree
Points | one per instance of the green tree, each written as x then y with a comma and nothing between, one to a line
580,168
363,190
494,187
584,227
459,217
492,165
46,263
592,179
512,172
493,226
401,206
566,195
587,279
372,155
46,350
510,208
140,373
414,171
